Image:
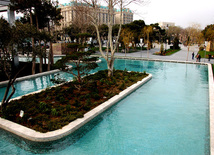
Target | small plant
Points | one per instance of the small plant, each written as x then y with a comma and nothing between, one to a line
62,99
88,104
48,98
42,105
95,95
68,107
54,112
77,103
122,86
126,78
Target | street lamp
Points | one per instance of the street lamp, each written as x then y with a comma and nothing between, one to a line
141,43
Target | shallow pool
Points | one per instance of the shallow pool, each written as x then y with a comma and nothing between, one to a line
167,115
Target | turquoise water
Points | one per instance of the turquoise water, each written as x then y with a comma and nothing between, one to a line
167,115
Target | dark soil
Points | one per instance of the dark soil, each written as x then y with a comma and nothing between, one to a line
58,106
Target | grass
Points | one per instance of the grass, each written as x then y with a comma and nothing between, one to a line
202,53
168,52
56,107
171,51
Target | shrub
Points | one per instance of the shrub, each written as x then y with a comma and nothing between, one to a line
92,86
201,48
54,112
122,86
68,107
77,103
87,106
95,95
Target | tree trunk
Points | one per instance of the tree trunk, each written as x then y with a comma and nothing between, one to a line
110,62
110,67
33,47
50,55
40,64
6,99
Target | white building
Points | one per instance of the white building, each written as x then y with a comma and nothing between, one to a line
165,25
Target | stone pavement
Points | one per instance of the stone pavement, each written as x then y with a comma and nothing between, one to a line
180,55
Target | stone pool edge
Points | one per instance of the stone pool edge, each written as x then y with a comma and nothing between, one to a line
35,136
211,108
4,83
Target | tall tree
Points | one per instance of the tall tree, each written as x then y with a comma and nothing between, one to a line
192,34
27,7
93,14
208,32
39,13
10,37
127,38
135,27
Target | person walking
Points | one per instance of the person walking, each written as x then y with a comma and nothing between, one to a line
193,54
199,57
209,57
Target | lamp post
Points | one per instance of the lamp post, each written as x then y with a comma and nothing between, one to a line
141,43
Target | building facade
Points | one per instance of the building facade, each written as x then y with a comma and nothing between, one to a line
127,16
72,16
165,25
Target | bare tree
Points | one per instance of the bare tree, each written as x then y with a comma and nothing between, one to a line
94,9
192,35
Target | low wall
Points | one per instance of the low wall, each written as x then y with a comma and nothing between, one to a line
4,83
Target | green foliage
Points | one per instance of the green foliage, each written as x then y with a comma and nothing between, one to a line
87,106
54,112
201,48
68,107
5,33
56,107
176,43
208,32
77,103
82,62
122,86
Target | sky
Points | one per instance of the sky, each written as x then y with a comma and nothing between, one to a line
183,13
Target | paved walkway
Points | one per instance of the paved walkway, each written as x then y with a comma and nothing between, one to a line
180,55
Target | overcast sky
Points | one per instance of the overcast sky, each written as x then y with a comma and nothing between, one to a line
183,12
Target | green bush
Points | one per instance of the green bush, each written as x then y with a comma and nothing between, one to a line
77,103
87,106
201,48
54,112
122,86
68,107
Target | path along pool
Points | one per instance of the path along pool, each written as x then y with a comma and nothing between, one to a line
167,115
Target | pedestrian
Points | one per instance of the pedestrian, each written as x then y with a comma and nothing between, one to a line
193,54
209,57
199,57
196,58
